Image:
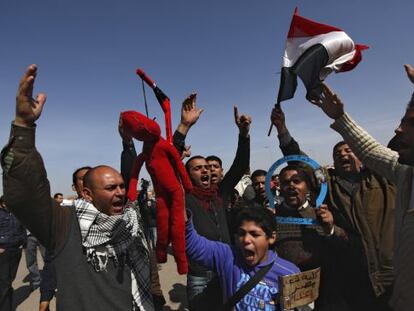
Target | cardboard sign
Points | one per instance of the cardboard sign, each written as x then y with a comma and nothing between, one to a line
299,289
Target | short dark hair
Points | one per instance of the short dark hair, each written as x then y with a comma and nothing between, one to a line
77,171
338,144
258,173
214,158
57,194
187,164
302,173
263,218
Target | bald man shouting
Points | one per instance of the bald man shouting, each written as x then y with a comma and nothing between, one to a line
101,255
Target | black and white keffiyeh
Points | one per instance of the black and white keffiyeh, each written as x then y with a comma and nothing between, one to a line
105,237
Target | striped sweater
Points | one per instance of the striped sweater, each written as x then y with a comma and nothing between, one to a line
385,162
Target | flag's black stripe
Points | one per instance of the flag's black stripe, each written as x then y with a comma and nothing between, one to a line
308,68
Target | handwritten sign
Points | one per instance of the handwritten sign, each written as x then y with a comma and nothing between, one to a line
299,289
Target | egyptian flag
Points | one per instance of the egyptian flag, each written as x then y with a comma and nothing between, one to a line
313,51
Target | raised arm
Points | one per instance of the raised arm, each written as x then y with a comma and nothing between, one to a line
26,187
288,145
189,116
212,254
241,161
134,177
128,155
377,157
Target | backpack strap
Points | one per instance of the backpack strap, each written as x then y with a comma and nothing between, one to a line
247,287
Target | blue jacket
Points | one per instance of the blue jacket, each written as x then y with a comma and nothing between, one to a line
12,233
233,272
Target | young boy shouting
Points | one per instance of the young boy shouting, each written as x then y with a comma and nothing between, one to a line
234,266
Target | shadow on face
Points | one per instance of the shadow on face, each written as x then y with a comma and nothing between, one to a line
403,141
253,242
199,172
104,187
345,161
293,187
216,171
258,184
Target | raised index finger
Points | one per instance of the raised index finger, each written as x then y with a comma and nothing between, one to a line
236,114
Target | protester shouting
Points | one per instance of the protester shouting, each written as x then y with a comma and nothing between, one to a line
396,166
362,203
102,258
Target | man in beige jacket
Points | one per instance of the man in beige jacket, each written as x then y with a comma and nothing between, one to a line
397,166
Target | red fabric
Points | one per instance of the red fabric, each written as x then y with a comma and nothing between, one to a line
166,107
144,77
205,196
349,65
303,27
168,176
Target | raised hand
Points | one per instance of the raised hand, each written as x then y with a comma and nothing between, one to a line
278,119
326,218
189,111
186,152
410,72
329,102
243,122
28,109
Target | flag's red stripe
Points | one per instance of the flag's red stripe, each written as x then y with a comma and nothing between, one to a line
351,64
303,27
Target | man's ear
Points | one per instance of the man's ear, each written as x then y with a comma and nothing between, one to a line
87,194
272,239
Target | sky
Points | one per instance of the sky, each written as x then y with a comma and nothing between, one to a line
229,52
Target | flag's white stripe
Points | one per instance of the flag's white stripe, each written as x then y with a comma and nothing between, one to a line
338,44
336,64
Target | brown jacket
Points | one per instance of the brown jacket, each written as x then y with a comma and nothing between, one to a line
366,212
27,193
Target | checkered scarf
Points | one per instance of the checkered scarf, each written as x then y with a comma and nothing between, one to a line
107,237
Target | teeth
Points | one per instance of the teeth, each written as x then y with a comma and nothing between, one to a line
249,252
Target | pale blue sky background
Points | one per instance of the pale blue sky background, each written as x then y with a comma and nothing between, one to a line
228,51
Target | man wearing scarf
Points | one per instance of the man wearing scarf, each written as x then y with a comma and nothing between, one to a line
100,253
207,203
209,216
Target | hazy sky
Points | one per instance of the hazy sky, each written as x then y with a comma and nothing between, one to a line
228,51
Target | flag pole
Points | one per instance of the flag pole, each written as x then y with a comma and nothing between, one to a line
271,124
270,129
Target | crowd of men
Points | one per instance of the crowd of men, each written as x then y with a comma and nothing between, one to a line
100,251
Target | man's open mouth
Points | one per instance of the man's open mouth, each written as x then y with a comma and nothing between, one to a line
118,207
292,193
249,256
205,180
346,163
